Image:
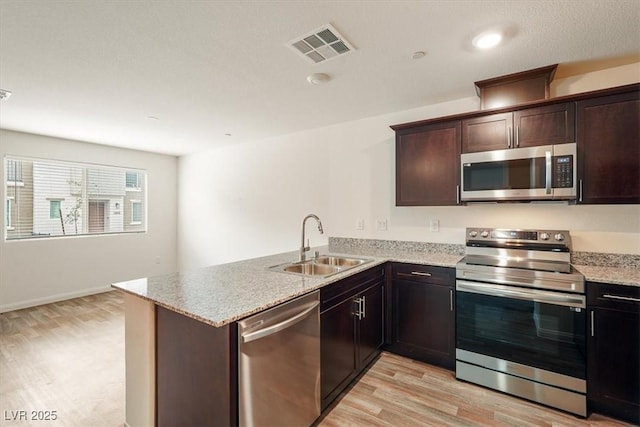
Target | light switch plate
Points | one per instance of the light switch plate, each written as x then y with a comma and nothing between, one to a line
434,225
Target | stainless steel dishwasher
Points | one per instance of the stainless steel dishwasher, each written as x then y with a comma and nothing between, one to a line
279,365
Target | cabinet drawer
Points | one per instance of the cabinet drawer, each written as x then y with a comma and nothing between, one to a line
424,273
337,292
616,297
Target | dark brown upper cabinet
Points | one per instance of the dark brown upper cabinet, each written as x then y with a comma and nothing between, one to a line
604,123
549,124
609,149
428,165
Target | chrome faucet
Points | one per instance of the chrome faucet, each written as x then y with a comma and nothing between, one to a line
304,248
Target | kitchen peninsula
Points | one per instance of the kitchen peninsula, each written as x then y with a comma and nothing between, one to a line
207,303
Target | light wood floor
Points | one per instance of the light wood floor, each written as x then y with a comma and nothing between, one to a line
69,357
66,357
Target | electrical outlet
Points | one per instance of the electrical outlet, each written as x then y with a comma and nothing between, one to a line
381,225
434,225
359,224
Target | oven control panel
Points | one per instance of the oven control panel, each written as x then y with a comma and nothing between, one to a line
518,236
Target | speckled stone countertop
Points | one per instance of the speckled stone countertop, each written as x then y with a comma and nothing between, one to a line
619,269
221,294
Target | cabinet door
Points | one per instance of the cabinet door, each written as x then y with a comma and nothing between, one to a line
552,124
371,324
428,165
423,322
609,149
486,133
337,349
613,370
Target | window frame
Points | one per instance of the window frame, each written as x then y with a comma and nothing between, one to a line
136,202
51,202
44,185
8,213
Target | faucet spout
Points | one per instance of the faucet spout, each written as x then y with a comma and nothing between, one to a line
304,248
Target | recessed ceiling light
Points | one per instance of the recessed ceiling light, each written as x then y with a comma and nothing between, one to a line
4,94
227,134
487,40
318,78
419,54
154,118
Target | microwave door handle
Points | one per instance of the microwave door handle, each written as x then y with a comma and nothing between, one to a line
547,155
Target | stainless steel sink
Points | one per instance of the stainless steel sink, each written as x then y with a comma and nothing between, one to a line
323,266
339,261
311,269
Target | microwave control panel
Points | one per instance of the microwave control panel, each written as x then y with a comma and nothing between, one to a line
563,171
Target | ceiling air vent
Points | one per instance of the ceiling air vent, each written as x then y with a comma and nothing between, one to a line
322,44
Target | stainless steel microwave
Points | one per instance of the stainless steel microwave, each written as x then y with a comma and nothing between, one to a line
520,174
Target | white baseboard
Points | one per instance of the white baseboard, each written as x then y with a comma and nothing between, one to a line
53,298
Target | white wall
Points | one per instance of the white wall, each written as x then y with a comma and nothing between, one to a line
38,271
248,200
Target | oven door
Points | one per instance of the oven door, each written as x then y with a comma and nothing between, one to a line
541,329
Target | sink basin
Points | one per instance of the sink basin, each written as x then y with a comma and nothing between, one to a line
339,261
323,266
311,269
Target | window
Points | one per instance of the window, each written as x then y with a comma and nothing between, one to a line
14,171
57,198
8,219
54,209
132,180
136,212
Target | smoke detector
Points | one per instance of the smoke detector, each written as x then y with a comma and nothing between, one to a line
318,78
4,94
321,45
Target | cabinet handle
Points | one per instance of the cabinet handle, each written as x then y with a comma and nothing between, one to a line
358,309
517,136
420,273
457,194
508,136
451,299
364,306
621,298
592,325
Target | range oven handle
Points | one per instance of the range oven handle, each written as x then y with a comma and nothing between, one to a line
555,298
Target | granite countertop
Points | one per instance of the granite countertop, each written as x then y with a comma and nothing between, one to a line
614,275
221,294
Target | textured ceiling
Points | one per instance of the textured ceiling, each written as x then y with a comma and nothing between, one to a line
97,70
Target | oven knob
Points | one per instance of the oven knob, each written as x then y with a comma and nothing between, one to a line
544,236
473,233
485,234
559,237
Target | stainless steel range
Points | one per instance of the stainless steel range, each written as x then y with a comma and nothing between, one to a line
521,316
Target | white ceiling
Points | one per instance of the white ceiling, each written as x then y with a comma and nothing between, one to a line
96,70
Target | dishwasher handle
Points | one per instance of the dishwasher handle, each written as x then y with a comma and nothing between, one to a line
270,330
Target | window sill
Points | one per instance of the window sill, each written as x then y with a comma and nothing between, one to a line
15,184
132,189
135,223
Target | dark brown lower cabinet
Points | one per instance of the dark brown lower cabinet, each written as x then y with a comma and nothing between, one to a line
613,351
351,329
196,370
423,313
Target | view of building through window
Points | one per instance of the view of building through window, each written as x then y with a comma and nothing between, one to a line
45,198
